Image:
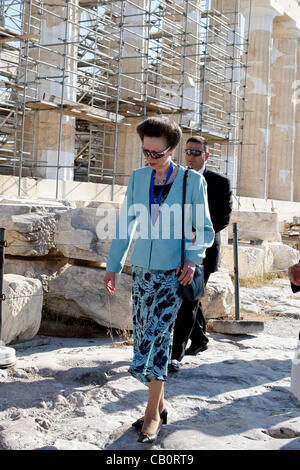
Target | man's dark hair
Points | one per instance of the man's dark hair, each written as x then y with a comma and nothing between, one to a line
160,127
199,140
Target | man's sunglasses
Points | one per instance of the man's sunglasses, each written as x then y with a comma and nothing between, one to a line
155,155
195,153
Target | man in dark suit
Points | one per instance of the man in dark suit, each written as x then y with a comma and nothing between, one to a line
190,322
294,276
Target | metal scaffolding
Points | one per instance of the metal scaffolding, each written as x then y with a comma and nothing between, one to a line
74,73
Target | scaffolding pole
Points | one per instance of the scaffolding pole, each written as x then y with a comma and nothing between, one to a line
110,65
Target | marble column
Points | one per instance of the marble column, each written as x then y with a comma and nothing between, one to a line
133,62
224,47
54,138
191,65
128,150
296,101
185,81
128,86
253,166
282,110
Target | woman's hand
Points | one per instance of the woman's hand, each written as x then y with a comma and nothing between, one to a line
187,272
109,282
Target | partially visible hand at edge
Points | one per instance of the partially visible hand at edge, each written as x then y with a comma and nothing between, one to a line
187,272
109,282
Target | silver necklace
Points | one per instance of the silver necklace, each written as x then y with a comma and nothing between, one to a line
160,181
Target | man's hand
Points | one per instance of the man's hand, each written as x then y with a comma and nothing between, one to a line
294,274
187,272
109,282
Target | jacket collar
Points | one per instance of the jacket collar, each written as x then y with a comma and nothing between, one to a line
175,189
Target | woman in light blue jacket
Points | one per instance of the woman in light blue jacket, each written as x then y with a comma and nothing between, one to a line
152,211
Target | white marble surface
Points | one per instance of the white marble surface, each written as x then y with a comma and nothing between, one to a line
22,309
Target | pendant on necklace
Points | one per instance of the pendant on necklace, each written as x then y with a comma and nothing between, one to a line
160,182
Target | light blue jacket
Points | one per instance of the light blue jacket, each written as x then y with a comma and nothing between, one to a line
158,246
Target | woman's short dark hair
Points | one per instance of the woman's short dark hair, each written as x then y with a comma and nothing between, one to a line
160,127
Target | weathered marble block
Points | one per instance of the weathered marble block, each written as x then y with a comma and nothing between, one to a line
253,225
22,309
255,261
86,233
219,295
283,255
29,228
38,268
251,260
78,292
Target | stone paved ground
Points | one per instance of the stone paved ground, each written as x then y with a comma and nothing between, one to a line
77,394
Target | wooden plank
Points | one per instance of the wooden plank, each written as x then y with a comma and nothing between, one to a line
80,111
159,35
91,110
205,14
8,35
84,116
7,84
57,100
42,105
155,106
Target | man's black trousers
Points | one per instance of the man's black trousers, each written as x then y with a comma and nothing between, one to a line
190,324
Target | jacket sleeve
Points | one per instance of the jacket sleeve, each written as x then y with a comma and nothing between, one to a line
125,229
201,222
224,207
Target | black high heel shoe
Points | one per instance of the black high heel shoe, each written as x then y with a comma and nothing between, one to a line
148,438
163,416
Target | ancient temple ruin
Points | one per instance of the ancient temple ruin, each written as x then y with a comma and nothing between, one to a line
77,76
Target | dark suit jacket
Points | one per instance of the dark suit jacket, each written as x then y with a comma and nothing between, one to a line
219,196
295,288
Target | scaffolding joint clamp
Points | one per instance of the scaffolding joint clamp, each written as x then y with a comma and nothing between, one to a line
3,243
2,297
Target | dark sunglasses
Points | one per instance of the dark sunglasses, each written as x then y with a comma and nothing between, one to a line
195,153
155,155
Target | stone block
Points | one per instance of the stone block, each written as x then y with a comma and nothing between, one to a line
35,268
224,236
255,261
237,327
269,258
253,225
86,233
29,227
78,292
251,260
22,309
283,256
219,295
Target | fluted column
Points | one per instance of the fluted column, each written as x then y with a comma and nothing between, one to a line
133,62
230,41
128,83
191,50
282,110
179,65
296,100
253,166
54,137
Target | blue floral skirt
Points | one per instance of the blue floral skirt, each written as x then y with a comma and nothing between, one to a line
155,303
